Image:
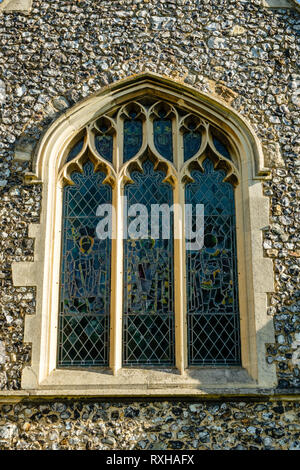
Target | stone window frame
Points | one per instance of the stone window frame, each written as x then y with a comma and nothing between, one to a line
21,6
25,6
256,277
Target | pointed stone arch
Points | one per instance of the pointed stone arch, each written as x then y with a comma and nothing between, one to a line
215,110
255,271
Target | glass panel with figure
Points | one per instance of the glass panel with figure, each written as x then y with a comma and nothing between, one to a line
162,134
212,284
85,274
148,310
133,134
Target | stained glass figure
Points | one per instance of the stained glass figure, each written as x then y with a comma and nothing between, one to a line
104,139
221,148
104,145
162,134
75,150
148,320
191,141
133,135
85,274
212,284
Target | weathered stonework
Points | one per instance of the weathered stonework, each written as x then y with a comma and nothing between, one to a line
64,51
154,426
9,6
281,4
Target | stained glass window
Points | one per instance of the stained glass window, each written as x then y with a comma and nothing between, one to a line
163,138
75,150
191,142
133,136
150,270
221,148
148,324
104,145
104,139
212,284
85,274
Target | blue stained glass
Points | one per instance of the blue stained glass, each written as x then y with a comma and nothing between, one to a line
148,320
163,139
212,284
85,274
133,138
75,150
104,145
221,148
191,144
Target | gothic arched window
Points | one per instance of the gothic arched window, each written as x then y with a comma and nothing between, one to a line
142,158
174,177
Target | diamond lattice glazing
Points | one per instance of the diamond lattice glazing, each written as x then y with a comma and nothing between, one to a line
85,274
212,284
148,328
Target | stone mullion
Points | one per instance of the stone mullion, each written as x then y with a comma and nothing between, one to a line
179,260
116,316
179,280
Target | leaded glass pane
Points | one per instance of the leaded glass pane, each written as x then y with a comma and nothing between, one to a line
191,143
104,145
148,320
133,137
212,284
221,148
85,274
163,139
75,150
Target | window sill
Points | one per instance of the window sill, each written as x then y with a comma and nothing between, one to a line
134,382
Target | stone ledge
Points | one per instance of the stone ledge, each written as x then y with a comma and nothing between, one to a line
282,4
207,382
10,6
16,396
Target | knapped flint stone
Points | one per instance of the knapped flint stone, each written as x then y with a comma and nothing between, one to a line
64,51
60,103
2,92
